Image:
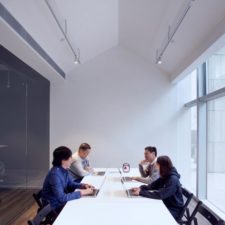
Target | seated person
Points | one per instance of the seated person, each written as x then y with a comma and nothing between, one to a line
147,167
80,166
167,187
58,187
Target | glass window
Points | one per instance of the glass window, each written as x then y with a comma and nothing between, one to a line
193,148
212,147
193,77
216,71
187,91
216,153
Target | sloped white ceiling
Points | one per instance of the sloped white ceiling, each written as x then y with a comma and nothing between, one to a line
143,26
92,26
95,26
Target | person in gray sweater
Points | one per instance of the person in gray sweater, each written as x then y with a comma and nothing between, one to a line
147,167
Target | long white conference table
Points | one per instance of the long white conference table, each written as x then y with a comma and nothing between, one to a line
112,206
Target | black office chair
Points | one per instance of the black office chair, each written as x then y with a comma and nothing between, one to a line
44,217
205,216
185,213
190,211
37,198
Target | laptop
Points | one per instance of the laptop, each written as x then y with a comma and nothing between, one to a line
129,193
127,179
100,173
96,190
94,193
124,178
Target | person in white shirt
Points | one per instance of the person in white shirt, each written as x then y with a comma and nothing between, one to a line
80,166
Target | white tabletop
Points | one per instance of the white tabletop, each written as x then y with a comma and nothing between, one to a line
113,207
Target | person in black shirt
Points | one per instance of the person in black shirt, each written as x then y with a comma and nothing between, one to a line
167,187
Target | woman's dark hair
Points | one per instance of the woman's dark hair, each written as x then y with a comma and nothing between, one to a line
84,146
59,154
166,165
151,149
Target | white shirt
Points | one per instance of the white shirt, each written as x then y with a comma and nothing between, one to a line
78,166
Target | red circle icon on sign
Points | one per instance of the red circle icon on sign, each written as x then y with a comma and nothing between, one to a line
126,167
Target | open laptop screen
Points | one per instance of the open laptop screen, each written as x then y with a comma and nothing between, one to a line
96,190
100,173
129,193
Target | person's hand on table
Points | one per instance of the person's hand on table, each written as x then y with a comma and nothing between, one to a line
135,178
86,186
87,191
89,169
135,190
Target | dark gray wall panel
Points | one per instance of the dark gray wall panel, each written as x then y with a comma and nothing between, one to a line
24,119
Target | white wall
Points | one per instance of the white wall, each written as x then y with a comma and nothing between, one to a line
119,104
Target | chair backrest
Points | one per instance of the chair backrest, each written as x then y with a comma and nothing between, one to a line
192,210
37,198
206,216
41,216
187,196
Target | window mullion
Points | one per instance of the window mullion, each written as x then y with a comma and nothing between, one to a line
201,134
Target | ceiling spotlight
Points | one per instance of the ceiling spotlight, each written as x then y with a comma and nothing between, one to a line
77,60
76,52
77,56
172,29
158,58
159,61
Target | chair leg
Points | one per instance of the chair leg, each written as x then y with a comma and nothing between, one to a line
195,221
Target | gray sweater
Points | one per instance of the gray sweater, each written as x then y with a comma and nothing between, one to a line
150,174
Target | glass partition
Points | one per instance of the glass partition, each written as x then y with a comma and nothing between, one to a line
13,129
24,135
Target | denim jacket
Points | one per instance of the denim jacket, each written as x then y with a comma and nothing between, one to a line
58,188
